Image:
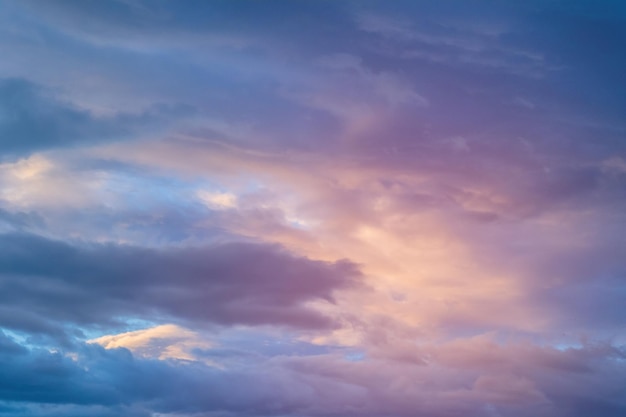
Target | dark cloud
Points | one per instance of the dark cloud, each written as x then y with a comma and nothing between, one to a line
140,18
46,282
107,378
32,119
508,379
96,381
54,410
20,219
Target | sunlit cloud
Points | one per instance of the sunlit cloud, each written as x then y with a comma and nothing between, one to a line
166,341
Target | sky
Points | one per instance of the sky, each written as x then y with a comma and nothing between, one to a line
312,208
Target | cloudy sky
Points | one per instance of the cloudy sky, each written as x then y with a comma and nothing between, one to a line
312,208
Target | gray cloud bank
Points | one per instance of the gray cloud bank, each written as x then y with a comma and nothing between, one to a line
46,283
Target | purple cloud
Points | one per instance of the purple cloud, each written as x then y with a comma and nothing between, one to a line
48,282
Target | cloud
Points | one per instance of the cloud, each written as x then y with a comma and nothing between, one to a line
166,341
423,229
218,200
32,119
519,379
198,170
10,220
233,283
454,43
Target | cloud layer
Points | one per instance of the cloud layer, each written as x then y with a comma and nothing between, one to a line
355,208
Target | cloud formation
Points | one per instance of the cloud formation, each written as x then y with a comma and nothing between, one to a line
357,208
48,282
